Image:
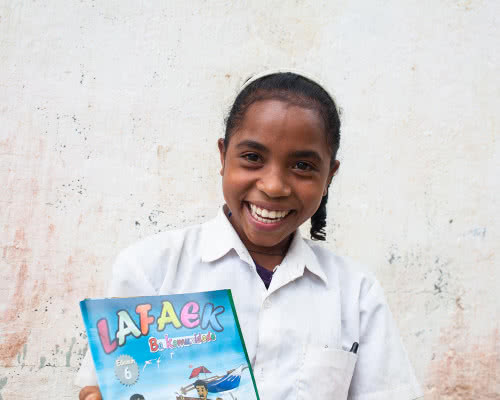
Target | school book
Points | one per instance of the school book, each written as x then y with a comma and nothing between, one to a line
180,347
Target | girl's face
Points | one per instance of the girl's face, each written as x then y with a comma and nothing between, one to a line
275,171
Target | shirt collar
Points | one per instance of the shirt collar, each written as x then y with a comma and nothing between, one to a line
301,256
219,238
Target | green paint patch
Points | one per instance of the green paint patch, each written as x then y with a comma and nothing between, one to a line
3,382
70,351
43,360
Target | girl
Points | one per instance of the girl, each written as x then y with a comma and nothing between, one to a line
301,307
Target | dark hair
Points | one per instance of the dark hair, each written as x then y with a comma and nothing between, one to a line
199,382
297,90
137,397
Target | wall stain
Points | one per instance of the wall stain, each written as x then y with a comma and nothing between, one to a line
12,345
467,5
38,289
5,146
478,232
464,371
43,361
25,350
161,152
3,382
16,255
18,251
68,276
17,300
70,351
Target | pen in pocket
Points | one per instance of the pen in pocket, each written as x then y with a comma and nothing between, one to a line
354,348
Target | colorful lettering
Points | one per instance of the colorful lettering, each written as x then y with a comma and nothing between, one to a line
209,317
126,326
168,342
168,316
103,330
144,318
153,345
189,315
190,318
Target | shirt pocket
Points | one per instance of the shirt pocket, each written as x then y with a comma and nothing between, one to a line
326,374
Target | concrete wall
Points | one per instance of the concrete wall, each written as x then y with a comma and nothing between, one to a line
109,115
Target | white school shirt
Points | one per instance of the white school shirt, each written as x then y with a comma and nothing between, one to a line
298,333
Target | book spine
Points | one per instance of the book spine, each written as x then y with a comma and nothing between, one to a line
231,301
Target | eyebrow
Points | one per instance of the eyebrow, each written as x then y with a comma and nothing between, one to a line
311,154
253,144
307,154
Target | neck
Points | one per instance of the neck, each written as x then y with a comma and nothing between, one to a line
266,261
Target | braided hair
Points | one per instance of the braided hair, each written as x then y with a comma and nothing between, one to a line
300,91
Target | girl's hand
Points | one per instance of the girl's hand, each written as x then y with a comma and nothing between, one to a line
90,393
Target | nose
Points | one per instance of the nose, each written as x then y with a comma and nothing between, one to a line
273,183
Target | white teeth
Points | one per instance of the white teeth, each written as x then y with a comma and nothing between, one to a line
267,216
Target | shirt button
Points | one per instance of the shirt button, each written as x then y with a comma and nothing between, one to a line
267,303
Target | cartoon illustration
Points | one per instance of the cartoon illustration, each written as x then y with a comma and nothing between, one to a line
201,388
214,384
199,370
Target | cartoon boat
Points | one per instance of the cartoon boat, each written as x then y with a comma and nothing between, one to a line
213,384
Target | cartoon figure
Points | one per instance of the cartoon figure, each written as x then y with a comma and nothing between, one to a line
201,388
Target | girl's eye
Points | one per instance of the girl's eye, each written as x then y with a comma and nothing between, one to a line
252,157
303,166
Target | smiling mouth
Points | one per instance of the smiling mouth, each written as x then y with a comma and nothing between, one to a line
267,216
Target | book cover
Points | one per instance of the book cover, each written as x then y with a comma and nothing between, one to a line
179,347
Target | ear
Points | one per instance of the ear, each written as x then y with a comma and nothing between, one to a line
222,154
332,172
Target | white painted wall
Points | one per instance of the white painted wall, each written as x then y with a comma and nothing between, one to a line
109,115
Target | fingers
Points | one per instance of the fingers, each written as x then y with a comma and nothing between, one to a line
90,393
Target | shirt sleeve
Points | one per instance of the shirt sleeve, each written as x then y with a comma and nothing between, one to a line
383,370
128,279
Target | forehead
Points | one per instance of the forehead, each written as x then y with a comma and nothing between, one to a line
276,123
